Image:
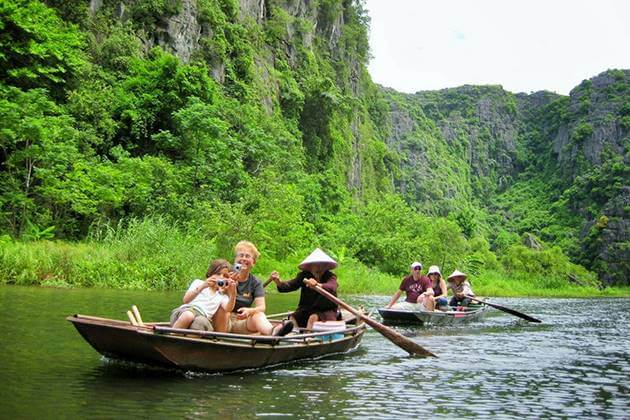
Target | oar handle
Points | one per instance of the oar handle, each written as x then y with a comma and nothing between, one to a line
266,283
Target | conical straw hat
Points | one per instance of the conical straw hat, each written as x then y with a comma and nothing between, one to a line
457,273
318,257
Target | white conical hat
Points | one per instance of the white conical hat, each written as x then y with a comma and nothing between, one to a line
318,257
457,273
434,269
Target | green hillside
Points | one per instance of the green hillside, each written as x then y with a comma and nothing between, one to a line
141,138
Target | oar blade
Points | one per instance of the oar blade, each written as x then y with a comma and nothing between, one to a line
400,340
507,310
518,314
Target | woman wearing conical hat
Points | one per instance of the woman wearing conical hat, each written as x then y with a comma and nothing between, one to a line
461,289
313,307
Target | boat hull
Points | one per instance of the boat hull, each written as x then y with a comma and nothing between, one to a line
205,351
397,316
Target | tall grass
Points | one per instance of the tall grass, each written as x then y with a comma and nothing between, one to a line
146,254
153,254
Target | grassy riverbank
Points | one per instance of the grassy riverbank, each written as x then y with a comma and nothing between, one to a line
158,261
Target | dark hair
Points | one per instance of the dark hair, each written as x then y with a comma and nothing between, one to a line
216,266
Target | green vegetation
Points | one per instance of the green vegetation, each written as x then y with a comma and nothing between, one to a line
154,255
125,162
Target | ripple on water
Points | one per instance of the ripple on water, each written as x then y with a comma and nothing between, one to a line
575,364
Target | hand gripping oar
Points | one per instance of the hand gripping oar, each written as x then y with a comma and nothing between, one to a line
401,341
508,310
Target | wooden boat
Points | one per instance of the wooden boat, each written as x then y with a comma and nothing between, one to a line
450,317
157,344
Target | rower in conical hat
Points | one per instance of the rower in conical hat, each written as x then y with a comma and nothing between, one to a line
461,288
314,271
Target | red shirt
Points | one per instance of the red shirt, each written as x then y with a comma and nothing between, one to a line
414,288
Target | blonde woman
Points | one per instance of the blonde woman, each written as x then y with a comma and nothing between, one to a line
249,316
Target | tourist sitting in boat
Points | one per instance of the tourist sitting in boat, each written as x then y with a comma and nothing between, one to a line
461,289
416,287
440,292
245,318
204,298
312,306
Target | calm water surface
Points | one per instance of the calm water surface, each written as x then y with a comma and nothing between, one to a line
576,364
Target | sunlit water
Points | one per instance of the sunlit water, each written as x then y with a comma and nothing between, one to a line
575,364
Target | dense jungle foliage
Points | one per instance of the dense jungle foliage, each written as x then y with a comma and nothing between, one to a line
129,160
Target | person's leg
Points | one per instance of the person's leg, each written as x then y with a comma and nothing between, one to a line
423,301
220,320
201,323
259,322
429,303
441,303
295,323
311,320
184,320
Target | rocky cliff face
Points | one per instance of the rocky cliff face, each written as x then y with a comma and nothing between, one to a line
499,136
595,106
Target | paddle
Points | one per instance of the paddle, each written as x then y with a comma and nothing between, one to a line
507,310
400,340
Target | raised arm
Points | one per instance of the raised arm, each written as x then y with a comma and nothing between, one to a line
287,286
195,288
228,305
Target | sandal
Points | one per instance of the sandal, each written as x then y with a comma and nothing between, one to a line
286,328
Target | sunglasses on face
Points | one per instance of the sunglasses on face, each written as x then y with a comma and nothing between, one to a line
417,268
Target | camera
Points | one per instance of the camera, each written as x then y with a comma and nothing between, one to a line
221,283
237,267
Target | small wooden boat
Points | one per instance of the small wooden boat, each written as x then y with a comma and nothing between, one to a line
450,317
158,344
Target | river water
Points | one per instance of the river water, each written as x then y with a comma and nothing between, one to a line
575,364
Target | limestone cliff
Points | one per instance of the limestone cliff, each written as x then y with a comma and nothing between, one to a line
495,140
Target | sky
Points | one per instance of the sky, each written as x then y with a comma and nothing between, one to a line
525,46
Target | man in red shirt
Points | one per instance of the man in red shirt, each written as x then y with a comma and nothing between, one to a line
416,287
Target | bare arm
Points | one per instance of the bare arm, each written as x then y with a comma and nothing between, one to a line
231,293
443,289
394,299
259,306
191,294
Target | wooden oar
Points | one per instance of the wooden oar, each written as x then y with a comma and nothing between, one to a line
266,283
507,310
136,314
400,340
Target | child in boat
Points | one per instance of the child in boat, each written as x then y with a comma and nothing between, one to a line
438,299
312,306
203,299
461,289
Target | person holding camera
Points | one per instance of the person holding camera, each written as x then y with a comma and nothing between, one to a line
312,306
248,319
203,299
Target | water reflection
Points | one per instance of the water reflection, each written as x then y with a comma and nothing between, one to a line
576,363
